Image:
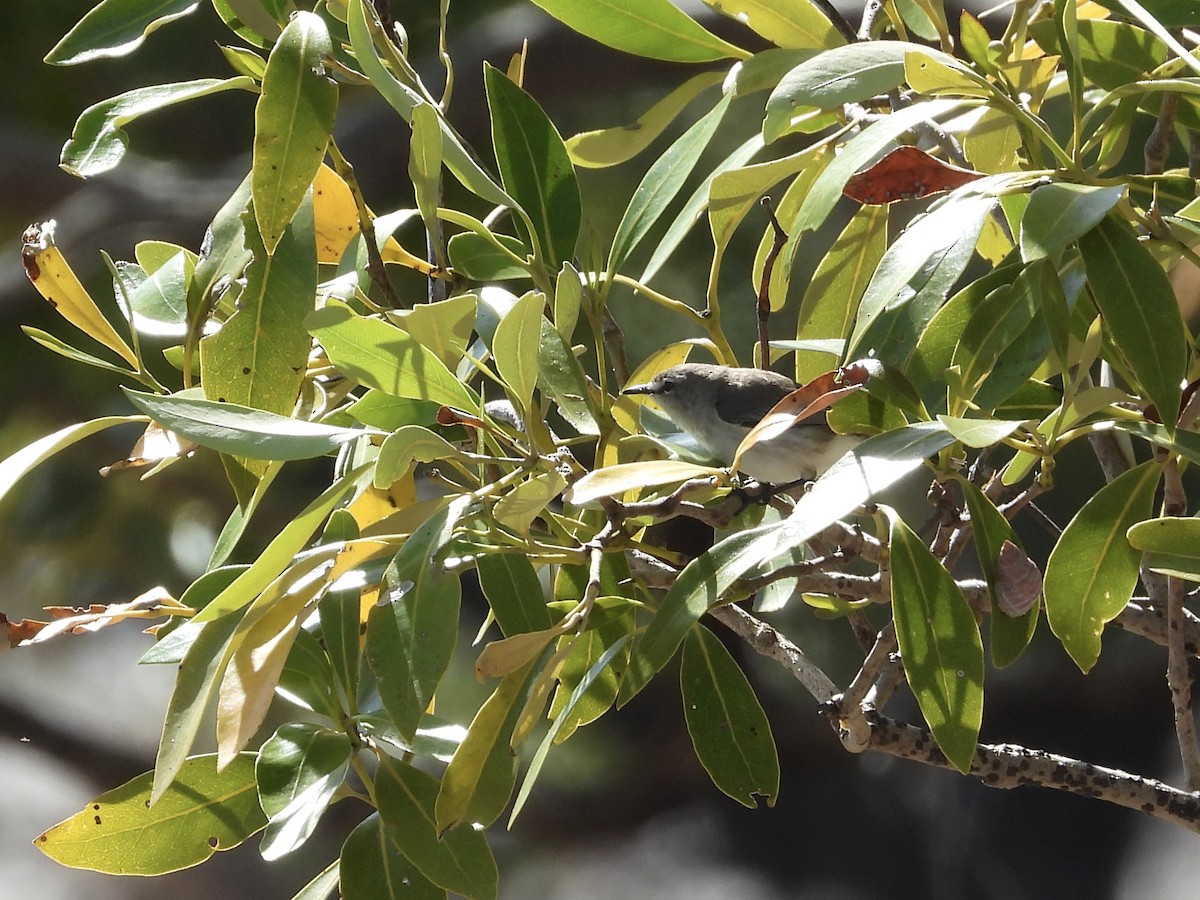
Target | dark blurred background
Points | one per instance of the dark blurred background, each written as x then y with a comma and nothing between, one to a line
623,810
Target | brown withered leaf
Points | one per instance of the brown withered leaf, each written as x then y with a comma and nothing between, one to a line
907,173
154,604
807,402
156,447
1018,581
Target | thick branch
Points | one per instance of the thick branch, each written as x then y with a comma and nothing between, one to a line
1009,766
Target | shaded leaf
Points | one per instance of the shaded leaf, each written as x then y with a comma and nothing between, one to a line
373,867
298,770
459,860
729,729
939,644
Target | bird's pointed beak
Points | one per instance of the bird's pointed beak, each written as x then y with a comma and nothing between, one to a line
647,388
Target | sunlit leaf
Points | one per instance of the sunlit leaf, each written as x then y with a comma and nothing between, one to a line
292,124
298,770
120,833
652,28
116,28
99,141
729,729
939,643
1092,570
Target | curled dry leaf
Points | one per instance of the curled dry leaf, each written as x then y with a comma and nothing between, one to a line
907,173
1018,580
154,604
804,403
156,446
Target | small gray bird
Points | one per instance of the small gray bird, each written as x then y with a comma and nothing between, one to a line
718,405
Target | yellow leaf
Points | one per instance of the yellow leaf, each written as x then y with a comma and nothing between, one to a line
49,272
501,657
335,218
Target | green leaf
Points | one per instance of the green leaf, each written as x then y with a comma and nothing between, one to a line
386,358
479,779
561,376
832,297
443,328
121,833
1140,313
613,480
662,182
979,433
796,24
914,276
292,123
412,632
514,592
280,552
515,347
62,348
939,644
459,860
1010,635
534,167
585,651
997,349
373,867
479,259
99,141
199,673
258,357
307,679
1172,545
239,430
693,208
651,28
299,769
406,445
564,717
425,163
115,28
939,339
846,74
157,296
363,26
613,146
19,464
729,729
1060,213
1092,570
257,22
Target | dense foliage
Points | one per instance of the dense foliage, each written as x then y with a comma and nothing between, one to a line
973,336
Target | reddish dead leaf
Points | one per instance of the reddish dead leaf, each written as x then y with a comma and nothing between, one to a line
16,632
806,403
1018,581
907,173
448,415
153,604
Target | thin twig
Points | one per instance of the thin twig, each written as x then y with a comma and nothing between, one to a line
772,644
764,288
366,226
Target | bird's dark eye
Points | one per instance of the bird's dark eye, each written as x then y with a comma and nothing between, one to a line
667,386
